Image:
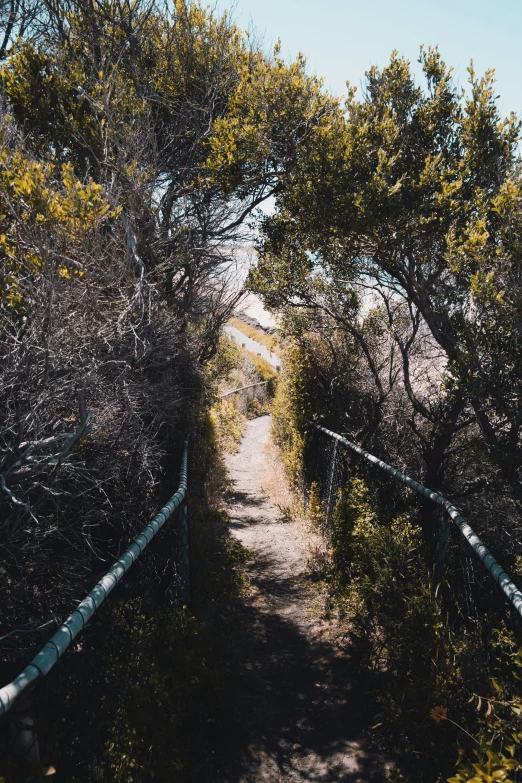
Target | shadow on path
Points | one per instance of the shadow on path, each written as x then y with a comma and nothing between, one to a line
299,714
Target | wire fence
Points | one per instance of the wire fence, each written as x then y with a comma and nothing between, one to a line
15,697
328,463
24,739
330,460
250,399
243,388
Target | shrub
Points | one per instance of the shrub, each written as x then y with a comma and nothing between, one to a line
228,423
162,676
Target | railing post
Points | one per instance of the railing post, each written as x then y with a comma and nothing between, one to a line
184,560
22,730
329,502
441,554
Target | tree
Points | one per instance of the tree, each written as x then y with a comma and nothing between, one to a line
416,194
18,18
118,245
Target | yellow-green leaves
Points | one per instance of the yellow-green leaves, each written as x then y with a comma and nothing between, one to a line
492,767
39,216
274,108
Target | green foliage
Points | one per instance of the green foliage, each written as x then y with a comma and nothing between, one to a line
229,424
286,420
315,510
43,218
121,83
274,109
490,766
161,675
379,575
256,408
499,735
227,358
419,189
263,368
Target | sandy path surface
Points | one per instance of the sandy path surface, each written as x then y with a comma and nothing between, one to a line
309,720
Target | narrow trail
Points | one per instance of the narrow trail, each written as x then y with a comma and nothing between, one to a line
308,716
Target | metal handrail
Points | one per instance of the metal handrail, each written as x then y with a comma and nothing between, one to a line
511,591
242,388
44,661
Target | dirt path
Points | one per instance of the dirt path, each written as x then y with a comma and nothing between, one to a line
309,718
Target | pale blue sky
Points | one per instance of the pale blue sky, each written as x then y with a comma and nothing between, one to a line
342,38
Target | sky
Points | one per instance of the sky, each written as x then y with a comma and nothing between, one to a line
343,38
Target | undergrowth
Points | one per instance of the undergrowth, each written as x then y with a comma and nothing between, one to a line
166,691
264,369
164,678
234,367
229,424
445,685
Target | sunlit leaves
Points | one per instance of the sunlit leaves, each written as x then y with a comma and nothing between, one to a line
38,212
417,189
274,109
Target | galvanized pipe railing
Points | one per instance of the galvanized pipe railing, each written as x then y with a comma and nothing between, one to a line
510,590
43,661
242,388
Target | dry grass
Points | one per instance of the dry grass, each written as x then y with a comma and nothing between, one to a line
290,505
263,368
268,341
293,511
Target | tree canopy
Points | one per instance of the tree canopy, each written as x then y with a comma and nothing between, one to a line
413,194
